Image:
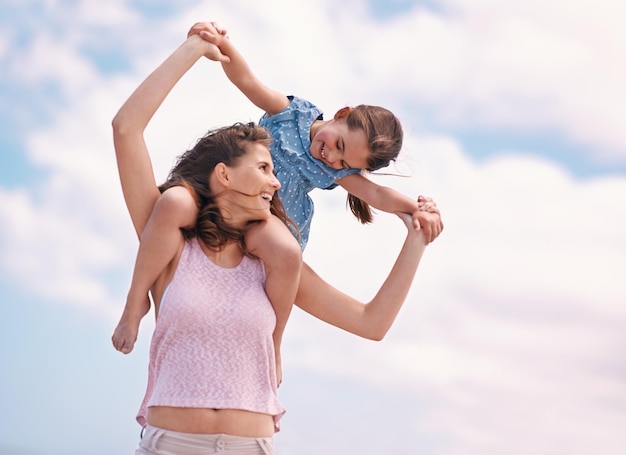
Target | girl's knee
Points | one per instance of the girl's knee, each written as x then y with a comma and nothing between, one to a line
274,240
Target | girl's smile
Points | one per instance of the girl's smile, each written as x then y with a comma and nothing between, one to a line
339,147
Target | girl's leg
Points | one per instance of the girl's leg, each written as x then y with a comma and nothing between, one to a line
159,243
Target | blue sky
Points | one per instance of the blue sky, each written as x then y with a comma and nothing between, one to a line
510,340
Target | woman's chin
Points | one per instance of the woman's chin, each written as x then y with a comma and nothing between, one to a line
260,214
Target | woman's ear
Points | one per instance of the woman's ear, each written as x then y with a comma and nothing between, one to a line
221,174
343,112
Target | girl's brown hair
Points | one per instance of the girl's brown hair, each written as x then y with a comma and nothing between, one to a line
192,170
384,137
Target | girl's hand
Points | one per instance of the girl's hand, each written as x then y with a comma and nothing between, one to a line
427,218
427,204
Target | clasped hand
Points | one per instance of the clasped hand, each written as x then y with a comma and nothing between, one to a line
212,34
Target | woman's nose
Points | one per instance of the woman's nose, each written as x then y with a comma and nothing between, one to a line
274,182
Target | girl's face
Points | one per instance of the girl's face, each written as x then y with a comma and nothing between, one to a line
252,183
340,147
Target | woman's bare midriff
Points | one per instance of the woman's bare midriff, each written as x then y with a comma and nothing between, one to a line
235,422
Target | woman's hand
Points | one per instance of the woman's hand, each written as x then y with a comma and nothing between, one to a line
213,53
407,220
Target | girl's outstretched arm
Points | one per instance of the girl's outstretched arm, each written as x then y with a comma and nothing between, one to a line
369,320
239,72
133,161
391,201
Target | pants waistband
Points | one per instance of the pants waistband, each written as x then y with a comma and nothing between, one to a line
157,441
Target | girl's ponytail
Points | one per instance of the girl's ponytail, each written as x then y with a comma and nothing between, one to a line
360,209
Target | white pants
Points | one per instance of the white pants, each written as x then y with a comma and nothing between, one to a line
156,441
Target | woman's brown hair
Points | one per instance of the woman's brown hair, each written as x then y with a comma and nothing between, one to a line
192,170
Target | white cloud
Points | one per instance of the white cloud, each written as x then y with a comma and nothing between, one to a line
531,68
53,254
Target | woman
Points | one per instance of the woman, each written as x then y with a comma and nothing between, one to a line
176,425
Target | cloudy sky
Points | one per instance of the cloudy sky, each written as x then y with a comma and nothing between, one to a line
512,339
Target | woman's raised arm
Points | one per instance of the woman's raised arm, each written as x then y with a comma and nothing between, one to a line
369,320
133,161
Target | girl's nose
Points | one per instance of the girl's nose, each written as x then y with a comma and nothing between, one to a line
333,158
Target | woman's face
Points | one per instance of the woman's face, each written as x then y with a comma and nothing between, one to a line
252,185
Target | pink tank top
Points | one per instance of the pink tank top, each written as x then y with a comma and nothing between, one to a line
212,345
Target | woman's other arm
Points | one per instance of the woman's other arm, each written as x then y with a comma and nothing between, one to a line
369,320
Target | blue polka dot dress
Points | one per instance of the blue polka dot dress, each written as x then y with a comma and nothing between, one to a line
295,168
